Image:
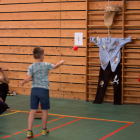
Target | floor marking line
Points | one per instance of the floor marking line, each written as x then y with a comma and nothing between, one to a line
79,117
27,129
54,128
37,125
9,113
20,111
115,131
17,133
90,118
6,137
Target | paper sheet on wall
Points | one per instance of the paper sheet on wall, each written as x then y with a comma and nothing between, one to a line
78,39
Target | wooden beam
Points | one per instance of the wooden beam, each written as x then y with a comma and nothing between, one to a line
123,29
87,53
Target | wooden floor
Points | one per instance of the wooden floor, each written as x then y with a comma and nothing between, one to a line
72,120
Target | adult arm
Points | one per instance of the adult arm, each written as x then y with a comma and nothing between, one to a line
5,78
1,99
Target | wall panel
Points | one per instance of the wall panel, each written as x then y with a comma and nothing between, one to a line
50,24
126,23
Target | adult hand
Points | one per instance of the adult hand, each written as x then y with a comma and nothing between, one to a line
1,70
1,99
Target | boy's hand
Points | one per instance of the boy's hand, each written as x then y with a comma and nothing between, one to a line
22,83
62,62
58,64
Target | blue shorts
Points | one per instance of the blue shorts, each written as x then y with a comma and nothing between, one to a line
42,95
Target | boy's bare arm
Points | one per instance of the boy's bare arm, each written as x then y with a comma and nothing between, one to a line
58,64
27,79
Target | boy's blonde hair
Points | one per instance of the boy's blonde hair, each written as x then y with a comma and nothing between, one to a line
37,52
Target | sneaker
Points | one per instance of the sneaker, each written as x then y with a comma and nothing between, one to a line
45,131
29,134
10,92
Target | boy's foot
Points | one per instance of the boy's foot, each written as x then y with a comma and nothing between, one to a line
45,131
29,134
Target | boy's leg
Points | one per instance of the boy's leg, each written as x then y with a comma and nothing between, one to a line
44,118
45,105
34,101
31,119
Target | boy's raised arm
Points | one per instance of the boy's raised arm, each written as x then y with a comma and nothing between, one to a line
58,64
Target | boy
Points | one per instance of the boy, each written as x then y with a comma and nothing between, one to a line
38,71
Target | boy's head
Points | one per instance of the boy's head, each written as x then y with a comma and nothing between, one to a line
38,53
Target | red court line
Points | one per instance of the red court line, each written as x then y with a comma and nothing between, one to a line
54,120
38,125
54,128
62,117
17,132
64,125
26,129
115,131
5,137
79,118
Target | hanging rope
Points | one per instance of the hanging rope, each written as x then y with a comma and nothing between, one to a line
108,32
108,27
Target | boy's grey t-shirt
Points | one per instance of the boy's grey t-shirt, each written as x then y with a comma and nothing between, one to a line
40,74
